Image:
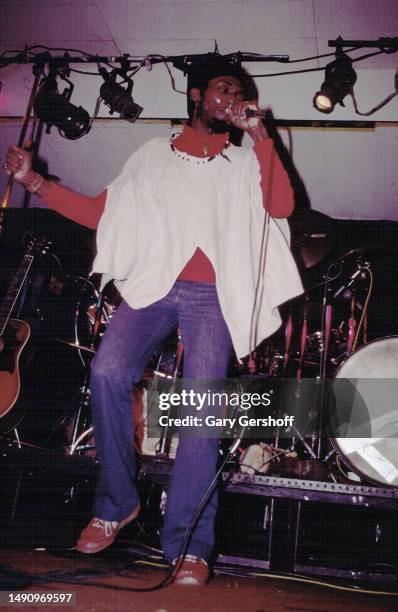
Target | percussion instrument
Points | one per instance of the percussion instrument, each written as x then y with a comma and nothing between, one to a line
365,390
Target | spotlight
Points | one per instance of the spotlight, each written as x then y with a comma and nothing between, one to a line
339,79
54,108
118,98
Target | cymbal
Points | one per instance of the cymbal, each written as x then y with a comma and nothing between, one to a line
75,345
314,251
312,236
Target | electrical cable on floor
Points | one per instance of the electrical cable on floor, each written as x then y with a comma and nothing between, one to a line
45,578
329,585
63,577
187,535
79,577
205,498
305,579
295,577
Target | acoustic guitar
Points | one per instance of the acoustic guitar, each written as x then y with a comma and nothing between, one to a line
14,334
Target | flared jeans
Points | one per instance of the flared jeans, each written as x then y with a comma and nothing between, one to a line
128,344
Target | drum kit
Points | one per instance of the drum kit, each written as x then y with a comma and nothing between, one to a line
324,337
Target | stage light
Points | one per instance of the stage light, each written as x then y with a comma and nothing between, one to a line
54,108
117,97
339,80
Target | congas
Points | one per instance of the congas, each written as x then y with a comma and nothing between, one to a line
365,393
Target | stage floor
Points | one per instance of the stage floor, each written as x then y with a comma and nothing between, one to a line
222,593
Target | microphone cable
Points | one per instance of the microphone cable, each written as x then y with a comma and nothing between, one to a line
259,290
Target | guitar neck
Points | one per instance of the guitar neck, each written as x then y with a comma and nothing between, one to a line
13,291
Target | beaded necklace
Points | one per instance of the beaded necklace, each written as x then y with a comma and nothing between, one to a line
194,159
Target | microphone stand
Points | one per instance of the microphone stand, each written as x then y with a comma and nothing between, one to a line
21,140
326,330
35,138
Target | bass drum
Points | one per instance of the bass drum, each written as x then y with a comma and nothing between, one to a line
367,383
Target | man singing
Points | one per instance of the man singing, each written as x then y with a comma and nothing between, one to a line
194,232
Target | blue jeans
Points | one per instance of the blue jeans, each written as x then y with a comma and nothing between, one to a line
125,350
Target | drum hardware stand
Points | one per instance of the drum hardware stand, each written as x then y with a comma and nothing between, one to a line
327,327
303,340
82,417
327,313
17,439
165,440
100,314
314,448
297,434
288,340
352,326
81,420
365,328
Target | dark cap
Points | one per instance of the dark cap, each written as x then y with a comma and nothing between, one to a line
208,67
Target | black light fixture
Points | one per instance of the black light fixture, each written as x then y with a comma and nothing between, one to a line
54,108
118,98
339,80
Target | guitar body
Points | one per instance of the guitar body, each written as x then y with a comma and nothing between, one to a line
14,334
12,343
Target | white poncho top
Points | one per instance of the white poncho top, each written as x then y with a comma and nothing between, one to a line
162,207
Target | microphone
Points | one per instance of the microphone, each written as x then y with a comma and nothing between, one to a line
250,112
349,284
269,121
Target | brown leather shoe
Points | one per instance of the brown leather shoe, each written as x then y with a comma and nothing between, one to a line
99,534
192,571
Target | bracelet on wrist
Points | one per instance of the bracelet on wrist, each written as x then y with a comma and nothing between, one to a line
35,185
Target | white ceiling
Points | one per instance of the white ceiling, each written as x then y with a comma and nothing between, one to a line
296,27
